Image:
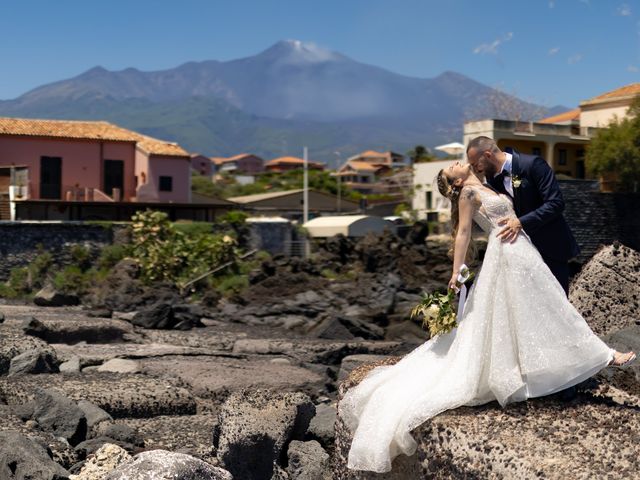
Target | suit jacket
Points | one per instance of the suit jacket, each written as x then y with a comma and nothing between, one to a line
539,205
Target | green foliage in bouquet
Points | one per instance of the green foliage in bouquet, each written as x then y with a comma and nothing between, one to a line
438,312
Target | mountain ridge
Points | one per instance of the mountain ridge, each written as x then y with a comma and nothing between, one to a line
289,95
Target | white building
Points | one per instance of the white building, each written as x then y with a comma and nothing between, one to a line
427,201
347,225
561,140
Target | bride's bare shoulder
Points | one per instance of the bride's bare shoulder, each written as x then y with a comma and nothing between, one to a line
470,194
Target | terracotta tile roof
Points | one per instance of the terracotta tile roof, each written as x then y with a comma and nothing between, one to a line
372,153
630,90
239,156
222,160
562,117
65,129
87,130
288,160
154,146
279,160
372,167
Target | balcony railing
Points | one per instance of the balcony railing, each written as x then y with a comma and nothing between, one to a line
89,194
533,128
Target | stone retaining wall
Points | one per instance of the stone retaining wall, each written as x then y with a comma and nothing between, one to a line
600,218
21,242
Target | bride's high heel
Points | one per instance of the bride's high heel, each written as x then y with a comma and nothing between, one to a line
631,356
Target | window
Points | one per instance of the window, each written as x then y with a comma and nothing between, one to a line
562,156
166,184
536,151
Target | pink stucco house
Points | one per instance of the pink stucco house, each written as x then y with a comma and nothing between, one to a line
202,165
243,163
89,161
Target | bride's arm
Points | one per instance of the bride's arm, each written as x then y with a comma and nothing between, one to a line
466,205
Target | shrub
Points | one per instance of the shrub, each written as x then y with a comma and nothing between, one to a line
194,228
232,284
111,255
72,279
38,269
166,254
81,256
329,274
235,218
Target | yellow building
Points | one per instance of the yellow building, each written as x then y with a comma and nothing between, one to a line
561,139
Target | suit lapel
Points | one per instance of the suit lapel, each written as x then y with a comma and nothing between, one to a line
496,184
515,172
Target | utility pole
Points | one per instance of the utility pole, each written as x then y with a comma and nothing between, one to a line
305,188
305,199
339,179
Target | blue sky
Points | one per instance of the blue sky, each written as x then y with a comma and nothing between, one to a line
546,51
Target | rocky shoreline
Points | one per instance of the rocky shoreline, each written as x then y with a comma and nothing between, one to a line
143,384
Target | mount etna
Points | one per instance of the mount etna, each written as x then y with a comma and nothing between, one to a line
273,103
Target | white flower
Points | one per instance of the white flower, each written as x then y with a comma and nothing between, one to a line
516,181
432,311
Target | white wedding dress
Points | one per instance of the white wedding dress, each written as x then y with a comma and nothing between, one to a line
519,337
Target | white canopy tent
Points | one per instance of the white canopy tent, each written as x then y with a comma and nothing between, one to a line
454,148
347,225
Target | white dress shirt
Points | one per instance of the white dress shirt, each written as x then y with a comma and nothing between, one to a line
506,167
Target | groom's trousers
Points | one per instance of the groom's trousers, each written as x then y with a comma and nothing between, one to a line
560,270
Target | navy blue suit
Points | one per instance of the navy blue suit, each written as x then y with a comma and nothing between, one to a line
538,203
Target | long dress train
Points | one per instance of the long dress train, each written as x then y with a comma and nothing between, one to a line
519,337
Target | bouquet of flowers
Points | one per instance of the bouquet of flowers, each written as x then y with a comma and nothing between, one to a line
438,309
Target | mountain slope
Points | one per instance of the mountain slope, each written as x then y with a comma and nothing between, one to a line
274,102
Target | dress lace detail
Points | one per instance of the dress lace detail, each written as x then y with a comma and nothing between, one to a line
519,338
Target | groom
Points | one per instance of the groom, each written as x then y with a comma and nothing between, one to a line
537,201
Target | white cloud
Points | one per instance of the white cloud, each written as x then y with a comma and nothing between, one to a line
624,10
492,47
573,59
633,69
554,50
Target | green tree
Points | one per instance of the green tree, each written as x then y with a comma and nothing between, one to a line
616,151
419,154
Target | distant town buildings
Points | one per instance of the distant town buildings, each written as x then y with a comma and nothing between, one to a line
283,164
372,172
202,165
244,163
289,203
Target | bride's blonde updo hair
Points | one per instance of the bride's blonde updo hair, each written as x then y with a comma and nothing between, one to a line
448,190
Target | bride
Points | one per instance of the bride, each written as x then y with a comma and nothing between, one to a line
518,338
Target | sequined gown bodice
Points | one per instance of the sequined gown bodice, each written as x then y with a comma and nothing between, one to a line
493,208
519,338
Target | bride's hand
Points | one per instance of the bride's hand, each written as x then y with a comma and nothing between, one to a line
453,283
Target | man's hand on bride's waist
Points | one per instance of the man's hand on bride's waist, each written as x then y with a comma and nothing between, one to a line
511,229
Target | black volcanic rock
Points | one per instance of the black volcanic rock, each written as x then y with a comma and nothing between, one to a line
24,458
